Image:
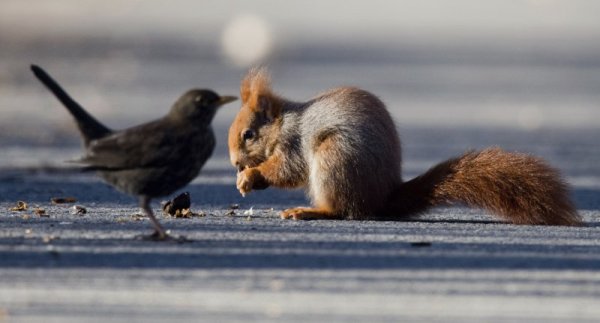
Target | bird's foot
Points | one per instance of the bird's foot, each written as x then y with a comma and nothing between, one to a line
162,236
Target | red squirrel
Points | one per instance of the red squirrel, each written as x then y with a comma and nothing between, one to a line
343,148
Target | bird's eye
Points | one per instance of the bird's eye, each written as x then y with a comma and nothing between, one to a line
248,134
198,98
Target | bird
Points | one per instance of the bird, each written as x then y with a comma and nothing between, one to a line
153,159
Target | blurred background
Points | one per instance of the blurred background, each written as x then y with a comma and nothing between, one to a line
523,74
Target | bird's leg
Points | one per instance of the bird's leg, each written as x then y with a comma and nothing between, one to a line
159,232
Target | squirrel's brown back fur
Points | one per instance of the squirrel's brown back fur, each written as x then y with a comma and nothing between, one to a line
342,146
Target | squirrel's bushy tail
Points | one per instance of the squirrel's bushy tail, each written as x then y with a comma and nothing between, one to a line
517,187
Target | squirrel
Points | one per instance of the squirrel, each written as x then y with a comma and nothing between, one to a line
343,148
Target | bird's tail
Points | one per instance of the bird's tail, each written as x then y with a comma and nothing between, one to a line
89,127
517,187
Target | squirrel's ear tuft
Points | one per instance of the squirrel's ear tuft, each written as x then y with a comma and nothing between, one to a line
257,95
256,82
246,88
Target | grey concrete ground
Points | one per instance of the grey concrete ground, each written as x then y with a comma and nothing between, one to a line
451,265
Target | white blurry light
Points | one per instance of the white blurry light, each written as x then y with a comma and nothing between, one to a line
530,118
247,40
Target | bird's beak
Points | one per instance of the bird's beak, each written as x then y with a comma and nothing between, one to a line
226,99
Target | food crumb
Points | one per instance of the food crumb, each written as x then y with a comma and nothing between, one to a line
21,206
249,211
49,238
78,210
40,212
138,217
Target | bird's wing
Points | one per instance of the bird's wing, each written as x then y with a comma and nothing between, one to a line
149,145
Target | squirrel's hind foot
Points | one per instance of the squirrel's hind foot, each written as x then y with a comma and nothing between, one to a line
307,213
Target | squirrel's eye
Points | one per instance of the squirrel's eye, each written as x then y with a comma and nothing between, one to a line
248,134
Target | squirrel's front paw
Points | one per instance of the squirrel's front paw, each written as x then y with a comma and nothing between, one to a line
250,179
246,179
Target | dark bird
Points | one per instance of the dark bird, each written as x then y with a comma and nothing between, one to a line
153,159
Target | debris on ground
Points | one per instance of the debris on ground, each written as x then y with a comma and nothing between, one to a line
249,213
40,212
138,217
178,203
63,200
49,238
78,210
179,207
188,213
21,206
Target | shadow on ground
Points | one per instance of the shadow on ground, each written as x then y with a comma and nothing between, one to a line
243,254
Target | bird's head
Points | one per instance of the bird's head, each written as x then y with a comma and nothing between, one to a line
199,105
